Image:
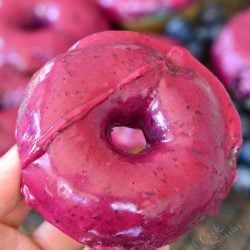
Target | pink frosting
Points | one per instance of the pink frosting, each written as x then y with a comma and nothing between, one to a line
7,129
127,10
231,54
12,87
34,31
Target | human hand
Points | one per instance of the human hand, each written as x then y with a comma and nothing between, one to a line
13,211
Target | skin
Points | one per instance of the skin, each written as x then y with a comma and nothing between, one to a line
13,211
34,38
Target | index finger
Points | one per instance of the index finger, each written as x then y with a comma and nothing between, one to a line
10,178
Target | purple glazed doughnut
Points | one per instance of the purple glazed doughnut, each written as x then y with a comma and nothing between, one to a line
231,55
12,87
73,174
34,31
128,10
177,4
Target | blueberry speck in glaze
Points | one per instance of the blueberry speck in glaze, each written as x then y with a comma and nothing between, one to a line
180,29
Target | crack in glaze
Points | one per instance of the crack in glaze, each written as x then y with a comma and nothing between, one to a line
39,147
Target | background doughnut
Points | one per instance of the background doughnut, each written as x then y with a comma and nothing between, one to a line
12,87
34,31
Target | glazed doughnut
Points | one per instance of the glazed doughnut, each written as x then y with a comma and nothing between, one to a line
34,31
231,55
177,4
12,87
128,10
75,176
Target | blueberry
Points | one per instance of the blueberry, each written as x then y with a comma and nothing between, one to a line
244,154
199,46
245,123
211,14
180,29
197,49
214,30
212,18
243,181
202,34
245,104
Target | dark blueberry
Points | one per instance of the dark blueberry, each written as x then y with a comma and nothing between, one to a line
208,34
200,44
213,31
197,49
246,105
237,105
243,181
245,123
212,18
202,34
180,29
211,14
244,154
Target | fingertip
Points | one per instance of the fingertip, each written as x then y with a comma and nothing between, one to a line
10,178
12,239
10,157
164,248
49,237
16,217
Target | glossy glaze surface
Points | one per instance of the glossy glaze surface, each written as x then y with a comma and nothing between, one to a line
99,195
34,31
231,55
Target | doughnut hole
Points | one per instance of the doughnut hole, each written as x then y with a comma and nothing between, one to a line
6,103
2,104
34,24
41,17
136,129
129,140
